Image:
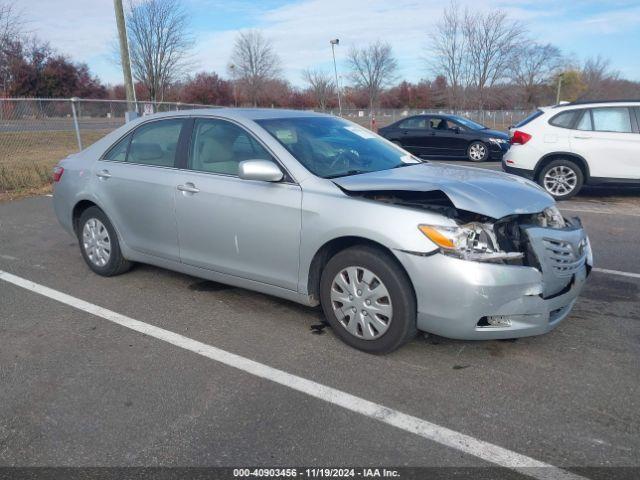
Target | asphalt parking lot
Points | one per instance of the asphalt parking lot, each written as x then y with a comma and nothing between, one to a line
79,390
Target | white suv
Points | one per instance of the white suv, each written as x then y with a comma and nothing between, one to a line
572,144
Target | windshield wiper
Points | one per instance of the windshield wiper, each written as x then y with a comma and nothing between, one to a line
347,173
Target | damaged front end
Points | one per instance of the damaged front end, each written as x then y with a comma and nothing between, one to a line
545,240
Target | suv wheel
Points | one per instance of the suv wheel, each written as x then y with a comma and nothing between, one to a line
99,244
561,179
368,300
477,152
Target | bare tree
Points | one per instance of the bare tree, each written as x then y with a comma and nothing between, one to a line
449,53
533,68
373,67
597,76
492,40
159,42
10,33
321,85
255,63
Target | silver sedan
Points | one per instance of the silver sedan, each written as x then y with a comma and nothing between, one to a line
321,211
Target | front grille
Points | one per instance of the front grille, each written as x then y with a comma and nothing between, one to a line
562,257
561,253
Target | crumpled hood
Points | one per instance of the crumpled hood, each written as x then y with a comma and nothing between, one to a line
490,193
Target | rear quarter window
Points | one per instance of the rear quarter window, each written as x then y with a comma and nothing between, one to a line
563,119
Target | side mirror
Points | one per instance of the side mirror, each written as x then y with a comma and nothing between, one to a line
263,170
457,129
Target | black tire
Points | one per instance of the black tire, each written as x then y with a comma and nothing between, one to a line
116,264
478,145
566,165
402,325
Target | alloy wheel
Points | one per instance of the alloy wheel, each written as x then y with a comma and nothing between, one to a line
361,303
560,180
477,151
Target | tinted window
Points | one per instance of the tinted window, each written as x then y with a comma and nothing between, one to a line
564,119
118,152
528,118
611,119
218,146
415,122
331,147
585,121
155,143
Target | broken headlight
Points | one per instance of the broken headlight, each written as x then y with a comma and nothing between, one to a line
551,218
471,241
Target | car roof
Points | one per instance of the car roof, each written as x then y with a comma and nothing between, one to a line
595,103
241,113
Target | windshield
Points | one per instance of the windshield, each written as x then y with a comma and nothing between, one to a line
469,123
330,147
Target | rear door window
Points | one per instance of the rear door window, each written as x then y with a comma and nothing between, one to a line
118,153
612,119
415,122
585,122
156,143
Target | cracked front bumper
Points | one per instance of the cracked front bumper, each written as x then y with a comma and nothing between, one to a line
453,296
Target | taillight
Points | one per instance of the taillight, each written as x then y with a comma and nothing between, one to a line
57,173
520,137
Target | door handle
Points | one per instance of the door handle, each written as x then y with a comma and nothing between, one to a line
104,174
583,137
188,188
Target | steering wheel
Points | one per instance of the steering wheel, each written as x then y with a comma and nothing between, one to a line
344,156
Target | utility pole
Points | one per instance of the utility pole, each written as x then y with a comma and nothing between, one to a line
559,87
335,70
126,62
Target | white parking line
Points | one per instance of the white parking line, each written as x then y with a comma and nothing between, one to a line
442,435
617,272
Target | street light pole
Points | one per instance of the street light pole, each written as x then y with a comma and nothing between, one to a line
333,43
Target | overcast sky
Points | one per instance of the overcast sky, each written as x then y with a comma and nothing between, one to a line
300,30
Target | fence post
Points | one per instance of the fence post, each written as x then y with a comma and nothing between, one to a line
75,122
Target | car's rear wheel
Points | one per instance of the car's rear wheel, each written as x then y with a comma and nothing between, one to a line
477,152
368,299
561,178
99,244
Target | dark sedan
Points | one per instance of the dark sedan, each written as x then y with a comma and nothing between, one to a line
447,136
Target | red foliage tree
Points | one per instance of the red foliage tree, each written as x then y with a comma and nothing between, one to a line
207,89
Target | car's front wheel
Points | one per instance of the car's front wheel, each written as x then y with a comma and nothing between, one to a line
561,178
477,152
368,299
99,244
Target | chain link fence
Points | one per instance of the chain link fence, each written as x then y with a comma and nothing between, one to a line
36,133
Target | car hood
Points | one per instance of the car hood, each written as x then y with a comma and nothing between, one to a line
495,133
490,193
